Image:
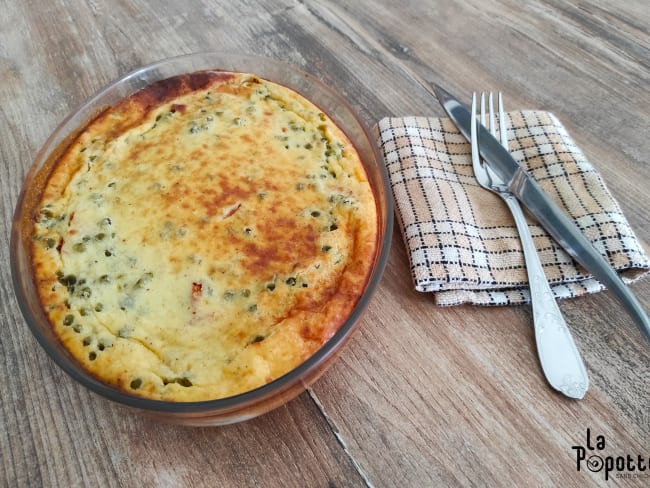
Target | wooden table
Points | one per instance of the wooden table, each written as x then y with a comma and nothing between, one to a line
422,396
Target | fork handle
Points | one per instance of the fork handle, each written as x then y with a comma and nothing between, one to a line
558,354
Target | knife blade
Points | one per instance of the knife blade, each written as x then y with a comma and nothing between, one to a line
550,216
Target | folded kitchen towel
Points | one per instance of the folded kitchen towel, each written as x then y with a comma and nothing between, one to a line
461,239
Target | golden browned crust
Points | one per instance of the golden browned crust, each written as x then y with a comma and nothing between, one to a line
203,237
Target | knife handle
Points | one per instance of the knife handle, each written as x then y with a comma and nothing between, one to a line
567,234
558,354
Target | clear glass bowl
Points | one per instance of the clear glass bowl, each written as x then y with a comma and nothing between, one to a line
252,403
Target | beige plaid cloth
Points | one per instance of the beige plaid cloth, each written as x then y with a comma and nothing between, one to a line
461,239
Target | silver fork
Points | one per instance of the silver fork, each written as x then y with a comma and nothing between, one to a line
558,355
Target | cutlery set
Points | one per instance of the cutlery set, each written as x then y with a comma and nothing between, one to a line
496,170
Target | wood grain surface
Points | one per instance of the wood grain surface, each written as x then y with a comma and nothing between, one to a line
422,396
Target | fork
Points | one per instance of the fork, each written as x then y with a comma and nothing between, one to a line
558,355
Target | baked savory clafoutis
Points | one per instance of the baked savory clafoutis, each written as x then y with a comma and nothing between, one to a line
203,237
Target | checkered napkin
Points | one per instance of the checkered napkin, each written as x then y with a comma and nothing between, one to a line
461,239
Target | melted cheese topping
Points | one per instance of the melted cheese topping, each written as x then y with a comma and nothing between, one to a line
203,237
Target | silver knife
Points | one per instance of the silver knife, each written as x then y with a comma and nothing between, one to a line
545,210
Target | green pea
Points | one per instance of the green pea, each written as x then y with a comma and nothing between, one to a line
99,307
47,213
66,280
79,247
68,319
136,383
142,281
326,248
291,281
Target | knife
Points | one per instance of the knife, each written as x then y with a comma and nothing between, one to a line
544,209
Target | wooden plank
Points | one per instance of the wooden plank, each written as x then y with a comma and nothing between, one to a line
422,396
54,433
436,430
